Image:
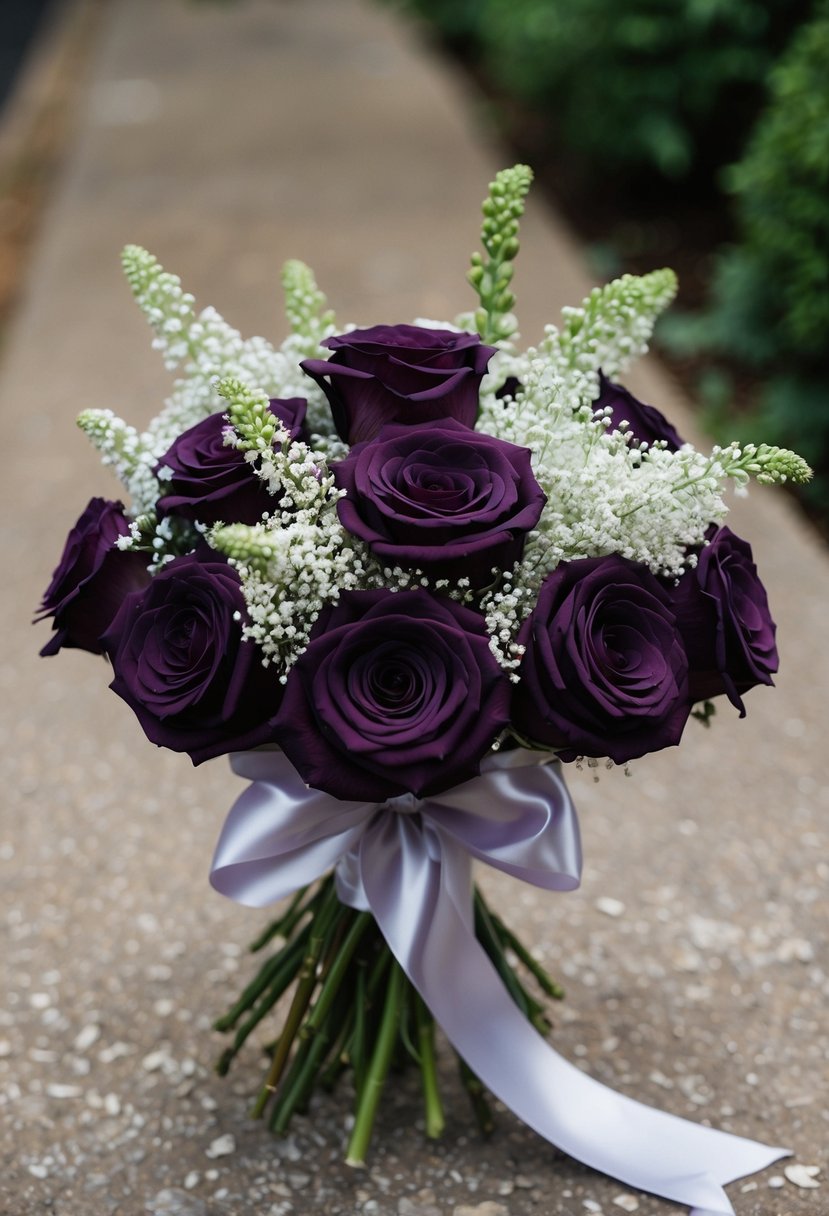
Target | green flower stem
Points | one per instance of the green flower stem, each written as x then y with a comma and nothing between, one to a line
542,977
425,1023
355,1051
305,1063
477,1097
302,996
338,1062
494,946
276,974
339,965
378,1068
283,978
353,1008
315,1033
285,925
298,1086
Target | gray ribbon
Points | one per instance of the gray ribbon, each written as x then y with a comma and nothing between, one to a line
409,862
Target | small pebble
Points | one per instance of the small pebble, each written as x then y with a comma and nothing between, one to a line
154,1061
222,1146
56,1090
610,906
87,1037
802,1175
173,1202
488,1208
628,1203
776,1181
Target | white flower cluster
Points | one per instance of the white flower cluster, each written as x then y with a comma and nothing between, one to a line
206,347
606,493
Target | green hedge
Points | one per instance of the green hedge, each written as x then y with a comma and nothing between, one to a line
667,86
771,290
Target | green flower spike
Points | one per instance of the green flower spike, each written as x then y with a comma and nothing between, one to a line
308,317
491,275
766,464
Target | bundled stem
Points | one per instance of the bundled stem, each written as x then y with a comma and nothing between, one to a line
353,1008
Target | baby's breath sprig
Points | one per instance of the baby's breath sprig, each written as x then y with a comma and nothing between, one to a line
163,539
491,275
160,296
119,443
611,328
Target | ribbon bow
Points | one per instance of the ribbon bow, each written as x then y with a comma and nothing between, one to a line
409,862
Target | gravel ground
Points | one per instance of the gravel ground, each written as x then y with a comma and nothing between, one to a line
227,138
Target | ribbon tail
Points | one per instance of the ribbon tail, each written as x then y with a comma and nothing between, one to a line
418,885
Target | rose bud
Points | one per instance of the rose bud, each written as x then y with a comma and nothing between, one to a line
400,373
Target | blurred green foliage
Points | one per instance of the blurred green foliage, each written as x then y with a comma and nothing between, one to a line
647,94
772,289
770,296
671,86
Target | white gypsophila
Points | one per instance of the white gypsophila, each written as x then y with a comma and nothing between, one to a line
610,329
206,347
299,569
605,495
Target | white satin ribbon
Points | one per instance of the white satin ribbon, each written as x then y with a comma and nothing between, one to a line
409,863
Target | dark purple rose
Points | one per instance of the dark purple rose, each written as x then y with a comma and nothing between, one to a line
646,424
723,614
400,373
605,671
212,482
181,665
397,692
451,501
91,579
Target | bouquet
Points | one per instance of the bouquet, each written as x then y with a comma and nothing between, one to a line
402,575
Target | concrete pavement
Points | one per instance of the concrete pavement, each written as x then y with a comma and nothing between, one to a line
226,138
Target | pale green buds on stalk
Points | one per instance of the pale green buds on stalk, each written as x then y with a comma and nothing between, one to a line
491,275
767,464
250,415
252,545
167,307
309,319
118,443
611,328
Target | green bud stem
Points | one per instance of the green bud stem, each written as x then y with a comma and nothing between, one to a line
369,1097
425,1024
477,1097
302,997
